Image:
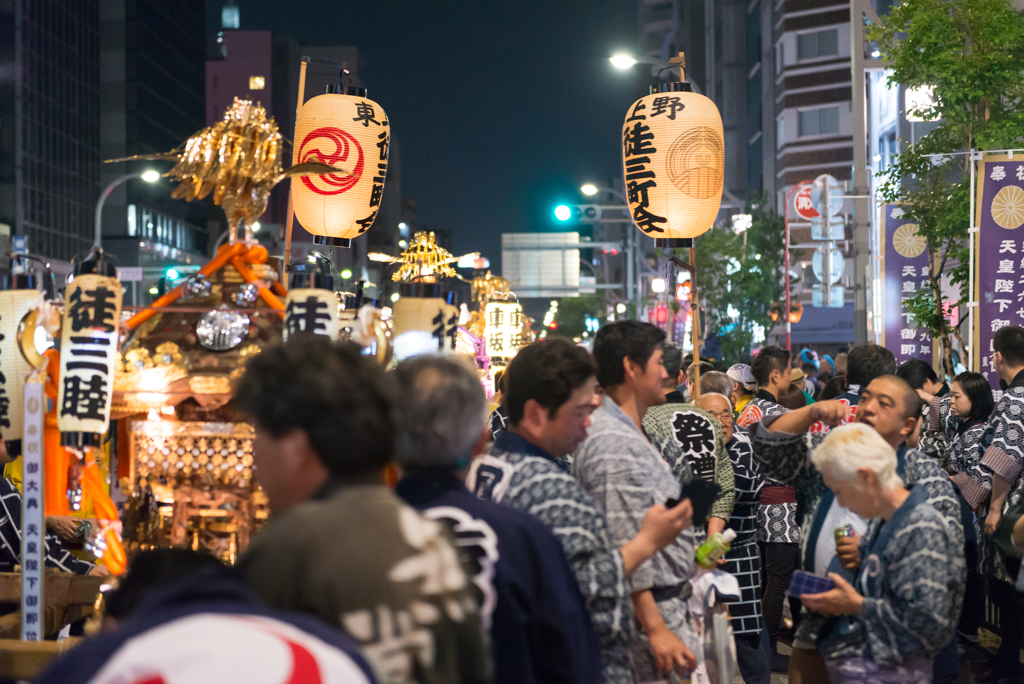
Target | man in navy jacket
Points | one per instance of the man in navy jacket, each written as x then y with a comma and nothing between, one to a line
540,627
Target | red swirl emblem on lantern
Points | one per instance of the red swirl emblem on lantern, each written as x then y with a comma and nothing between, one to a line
346,152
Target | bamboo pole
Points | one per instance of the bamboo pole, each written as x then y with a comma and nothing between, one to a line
695,394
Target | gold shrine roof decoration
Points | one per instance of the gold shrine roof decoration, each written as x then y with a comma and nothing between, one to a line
488,287
237,159
423,261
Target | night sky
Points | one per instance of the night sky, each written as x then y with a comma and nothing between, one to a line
502,109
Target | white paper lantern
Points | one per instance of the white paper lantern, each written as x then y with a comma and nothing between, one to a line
431,315
312,312
14,367
674,162
89,344
350,131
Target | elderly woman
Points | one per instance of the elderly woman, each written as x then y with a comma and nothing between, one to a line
905,600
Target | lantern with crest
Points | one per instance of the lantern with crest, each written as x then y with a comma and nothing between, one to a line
674,162
344,128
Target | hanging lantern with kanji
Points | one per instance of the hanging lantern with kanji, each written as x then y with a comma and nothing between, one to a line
88,352
673,157
346,129
311,307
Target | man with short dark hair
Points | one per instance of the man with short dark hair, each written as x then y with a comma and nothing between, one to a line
1005,459
179,615
784,444
550,399
864,363
673,357
539,625
778,534
626,472
341,545
771,373
921,376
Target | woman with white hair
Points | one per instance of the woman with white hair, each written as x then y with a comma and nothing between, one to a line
905,600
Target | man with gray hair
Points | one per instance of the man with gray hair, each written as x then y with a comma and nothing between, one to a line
715,382
540,627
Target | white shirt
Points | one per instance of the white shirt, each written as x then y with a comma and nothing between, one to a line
825,550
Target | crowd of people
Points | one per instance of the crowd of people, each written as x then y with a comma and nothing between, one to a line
555,538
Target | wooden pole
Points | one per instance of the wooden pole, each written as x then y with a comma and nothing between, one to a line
695,394
291,182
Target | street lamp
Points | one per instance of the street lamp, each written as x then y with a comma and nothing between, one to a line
621,60
589,189
149,175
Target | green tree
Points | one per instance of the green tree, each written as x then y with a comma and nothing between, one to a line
739,277
573,311
972,54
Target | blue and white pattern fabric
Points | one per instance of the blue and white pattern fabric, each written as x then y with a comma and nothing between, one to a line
516,473
776,523
626,474
744,558
787,457
10,537
912,579
1005,453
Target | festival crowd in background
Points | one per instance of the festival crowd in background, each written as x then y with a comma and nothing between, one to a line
860,511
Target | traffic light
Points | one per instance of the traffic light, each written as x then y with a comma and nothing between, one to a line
580,213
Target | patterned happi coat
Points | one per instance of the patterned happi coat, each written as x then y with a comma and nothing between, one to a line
912,579
518,474
959,447
1005,453
627,472
744,558
696,436
787,457
776,523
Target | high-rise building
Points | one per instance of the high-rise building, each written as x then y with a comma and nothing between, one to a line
50,137
719,39
152,86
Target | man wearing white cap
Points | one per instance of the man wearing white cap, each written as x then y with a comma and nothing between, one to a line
743,386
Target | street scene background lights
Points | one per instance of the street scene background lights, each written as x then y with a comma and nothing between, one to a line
151,176
549,317
589,189
657,285
622,61
563,213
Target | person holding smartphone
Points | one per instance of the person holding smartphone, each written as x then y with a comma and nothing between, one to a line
625,471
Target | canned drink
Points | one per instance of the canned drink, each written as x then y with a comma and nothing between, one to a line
844,531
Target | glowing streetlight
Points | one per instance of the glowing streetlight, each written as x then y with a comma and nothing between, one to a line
622,60
589,189
657,285
149,175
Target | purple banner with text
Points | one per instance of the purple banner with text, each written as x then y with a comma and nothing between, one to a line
906,272
1000,254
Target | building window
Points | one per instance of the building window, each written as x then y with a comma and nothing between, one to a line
778,58
257,82
780,129
819,121
817,44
